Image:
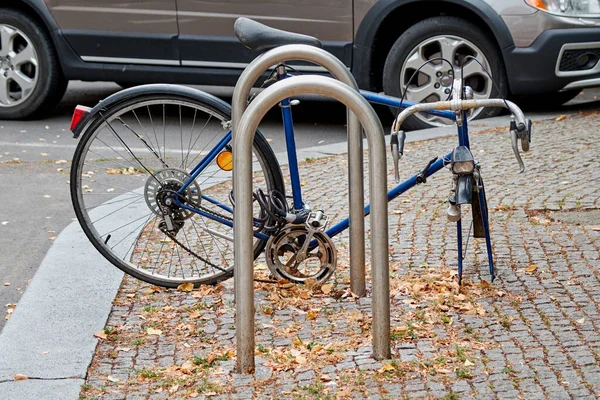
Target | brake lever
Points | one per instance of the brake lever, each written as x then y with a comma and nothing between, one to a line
397,146
525,136
514,140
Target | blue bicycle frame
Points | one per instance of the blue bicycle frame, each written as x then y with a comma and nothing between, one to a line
298,204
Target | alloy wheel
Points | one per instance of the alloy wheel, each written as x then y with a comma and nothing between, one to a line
19,70
435,79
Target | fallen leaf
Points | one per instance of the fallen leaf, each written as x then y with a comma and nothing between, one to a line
101,335
580,321
20,377
594,229
468,363
300,359
386,368
561,118
325,378
327,288
316,349
186,287
531,269
153,289
312,314
152,331
187,367
266,310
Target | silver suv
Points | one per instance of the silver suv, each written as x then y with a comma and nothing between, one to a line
542,51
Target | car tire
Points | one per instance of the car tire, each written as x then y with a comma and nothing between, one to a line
448,31
31,80
127,85
546,100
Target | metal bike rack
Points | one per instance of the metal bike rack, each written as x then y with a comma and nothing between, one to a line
243,221
355,147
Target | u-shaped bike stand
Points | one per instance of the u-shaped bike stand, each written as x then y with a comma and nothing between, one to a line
355,145
243,137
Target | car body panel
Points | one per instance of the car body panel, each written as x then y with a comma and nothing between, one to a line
139,32
206,27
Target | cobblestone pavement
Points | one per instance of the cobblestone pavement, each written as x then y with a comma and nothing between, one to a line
533,333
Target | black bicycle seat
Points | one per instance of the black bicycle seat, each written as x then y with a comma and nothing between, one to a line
259,37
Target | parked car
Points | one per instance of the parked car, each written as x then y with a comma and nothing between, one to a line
544,51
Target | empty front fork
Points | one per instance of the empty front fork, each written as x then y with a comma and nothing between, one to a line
469,192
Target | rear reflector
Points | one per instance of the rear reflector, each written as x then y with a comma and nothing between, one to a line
78,114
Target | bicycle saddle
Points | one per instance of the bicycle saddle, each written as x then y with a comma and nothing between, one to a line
259,37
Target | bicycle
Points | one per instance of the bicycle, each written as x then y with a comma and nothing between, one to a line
174,205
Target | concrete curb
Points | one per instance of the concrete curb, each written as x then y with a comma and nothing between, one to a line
74,282
41,340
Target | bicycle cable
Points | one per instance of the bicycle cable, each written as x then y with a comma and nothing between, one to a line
462,68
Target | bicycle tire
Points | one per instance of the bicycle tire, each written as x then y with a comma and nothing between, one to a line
89,166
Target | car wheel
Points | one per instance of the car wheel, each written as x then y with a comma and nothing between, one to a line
453,39
546,100
31,81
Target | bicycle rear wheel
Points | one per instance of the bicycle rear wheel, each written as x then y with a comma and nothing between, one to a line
135,154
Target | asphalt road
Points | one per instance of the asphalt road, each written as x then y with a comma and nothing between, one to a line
35,161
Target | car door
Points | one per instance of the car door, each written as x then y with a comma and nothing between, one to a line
134,31
206,27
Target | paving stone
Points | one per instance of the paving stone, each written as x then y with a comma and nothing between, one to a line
540,340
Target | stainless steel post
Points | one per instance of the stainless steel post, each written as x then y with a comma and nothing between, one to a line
355,146
242,186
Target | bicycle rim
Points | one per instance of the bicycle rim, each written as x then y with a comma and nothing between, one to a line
130,154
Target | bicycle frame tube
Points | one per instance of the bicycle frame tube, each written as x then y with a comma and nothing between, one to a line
463,132
390,101
290,143
261,236
206,161
394,193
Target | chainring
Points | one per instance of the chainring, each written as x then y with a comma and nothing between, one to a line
282,255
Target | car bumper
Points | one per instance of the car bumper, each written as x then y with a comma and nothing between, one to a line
542,67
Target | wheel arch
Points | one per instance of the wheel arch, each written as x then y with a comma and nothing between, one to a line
388,19
152,89
37,10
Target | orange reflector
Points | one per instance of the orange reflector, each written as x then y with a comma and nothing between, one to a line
225,160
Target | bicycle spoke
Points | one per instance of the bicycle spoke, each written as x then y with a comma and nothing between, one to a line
117,168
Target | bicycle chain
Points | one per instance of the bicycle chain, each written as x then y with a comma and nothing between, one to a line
193,253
